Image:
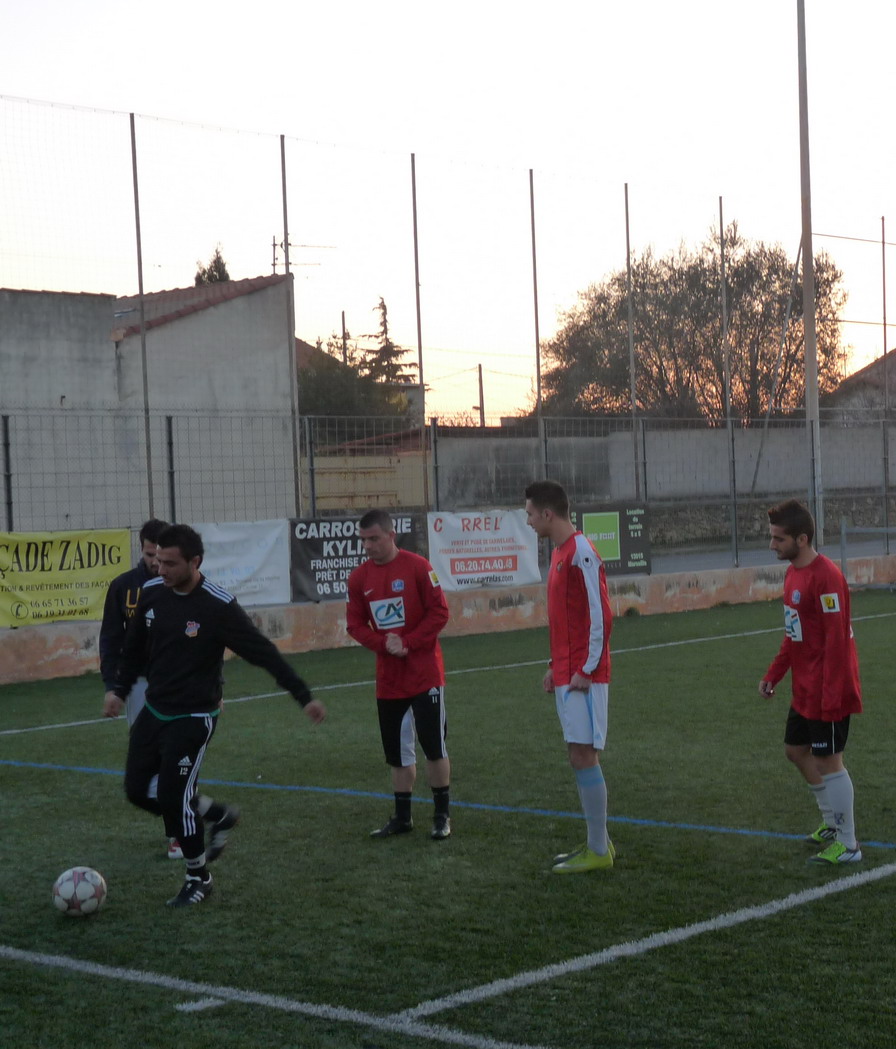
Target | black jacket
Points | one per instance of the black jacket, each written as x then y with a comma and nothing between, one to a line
121,602
183,637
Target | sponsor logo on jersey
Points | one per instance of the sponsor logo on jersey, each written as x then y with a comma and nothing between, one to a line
433,578
192,628
830,602
184,765
397,586
388,613
185,761
795,597
150,616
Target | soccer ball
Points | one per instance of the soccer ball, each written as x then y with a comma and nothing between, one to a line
79,891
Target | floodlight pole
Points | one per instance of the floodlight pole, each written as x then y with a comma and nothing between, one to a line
726,353
291,343
147,430
542,436
423,434
631,348
816,488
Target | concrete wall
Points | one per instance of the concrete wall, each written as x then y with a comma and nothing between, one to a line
66,649
55,350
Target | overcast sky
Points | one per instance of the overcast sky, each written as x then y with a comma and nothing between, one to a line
686,102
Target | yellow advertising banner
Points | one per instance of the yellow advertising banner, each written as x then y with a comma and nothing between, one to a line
46,576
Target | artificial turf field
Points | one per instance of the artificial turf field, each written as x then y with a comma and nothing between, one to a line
711,930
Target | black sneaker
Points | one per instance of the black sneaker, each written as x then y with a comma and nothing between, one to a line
394,826
441,827
193,890
219,832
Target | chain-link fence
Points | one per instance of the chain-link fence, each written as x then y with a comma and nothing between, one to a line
66,470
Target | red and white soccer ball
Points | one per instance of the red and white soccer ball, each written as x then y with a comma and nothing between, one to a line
79,891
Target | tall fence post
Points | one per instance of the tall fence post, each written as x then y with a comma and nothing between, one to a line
434,441
7,472
309,449
885,438
169,445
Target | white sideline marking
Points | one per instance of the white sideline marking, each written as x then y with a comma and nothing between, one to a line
451,673
203,1003
269,1001
649,943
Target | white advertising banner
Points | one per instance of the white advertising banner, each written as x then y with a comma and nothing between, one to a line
248,559
483,548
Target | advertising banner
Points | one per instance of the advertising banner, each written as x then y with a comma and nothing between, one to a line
248,559
483,548
620,536
45,576
325,550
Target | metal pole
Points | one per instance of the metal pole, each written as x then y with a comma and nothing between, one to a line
419,335
344,341
535,295
481,400
542,432
434,440
312,476
816,489
886,436
7,472
147,433
726,355
169,443
883,271
291,344
631,346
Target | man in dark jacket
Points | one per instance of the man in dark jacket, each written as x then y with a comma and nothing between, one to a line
182,624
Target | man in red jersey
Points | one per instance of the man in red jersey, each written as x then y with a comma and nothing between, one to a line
578,673
397,609
819,651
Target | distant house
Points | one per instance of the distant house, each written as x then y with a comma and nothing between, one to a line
871,388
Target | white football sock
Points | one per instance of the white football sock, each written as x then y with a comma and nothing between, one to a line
840,796
821,797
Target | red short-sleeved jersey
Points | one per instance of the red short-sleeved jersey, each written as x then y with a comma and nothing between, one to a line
818,647
401,597
579,613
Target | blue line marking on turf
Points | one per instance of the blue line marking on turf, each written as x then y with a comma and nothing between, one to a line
518,810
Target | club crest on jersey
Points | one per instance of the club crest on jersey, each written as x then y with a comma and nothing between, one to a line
397,586
559,565
795,597
830,603
192,628
388,613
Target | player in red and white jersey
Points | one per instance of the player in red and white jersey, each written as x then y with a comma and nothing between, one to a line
396,608
580,621
820,652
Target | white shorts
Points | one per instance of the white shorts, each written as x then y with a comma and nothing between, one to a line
583,715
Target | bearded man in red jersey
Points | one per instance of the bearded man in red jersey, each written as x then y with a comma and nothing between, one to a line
820,652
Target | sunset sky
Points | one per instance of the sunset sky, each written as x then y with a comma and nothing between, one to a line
685,102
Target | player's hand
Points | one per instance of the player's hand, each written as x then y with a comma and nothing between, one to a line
395,646
315,711
111,705
579,683
548,682
766,689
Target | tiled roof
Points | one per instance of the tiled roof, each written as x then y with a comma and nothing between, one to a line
161,307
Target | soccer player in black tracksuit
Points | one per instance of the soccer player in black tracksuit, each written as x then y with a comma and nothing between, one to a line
182,625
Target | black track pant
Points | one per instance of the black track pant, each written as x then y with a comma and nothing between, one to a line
173,750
